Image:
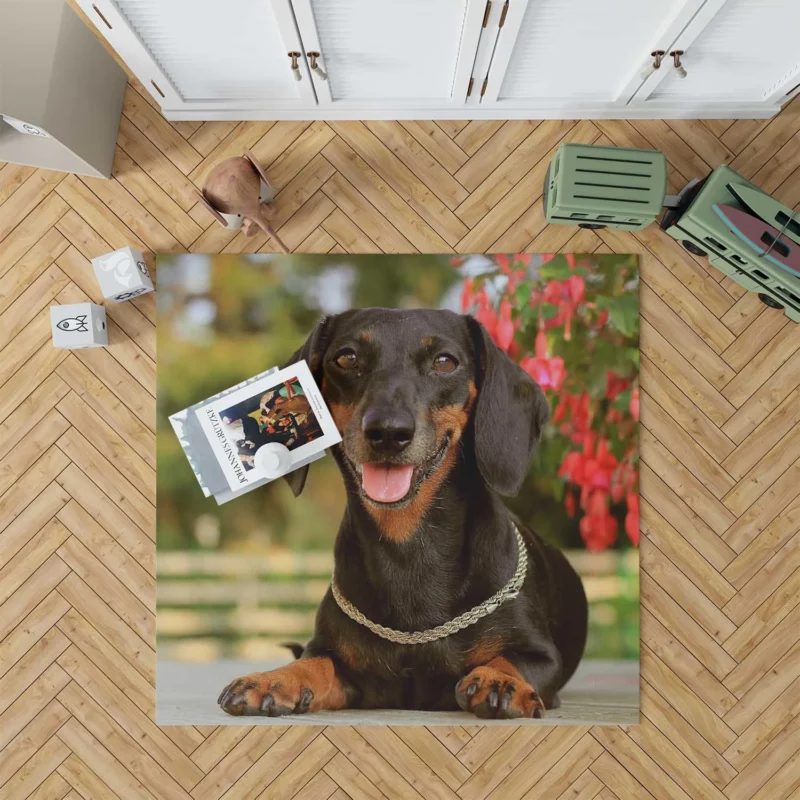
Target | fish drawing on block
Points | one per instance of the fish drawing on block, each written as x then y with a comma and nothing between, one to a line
761,237
77,324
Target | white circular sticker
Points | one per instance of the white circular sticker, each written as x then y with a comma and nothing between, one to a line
273,459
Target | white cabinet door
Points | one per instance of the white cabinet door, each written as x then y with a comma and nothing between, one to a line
735,51
390,54
571,54
215,55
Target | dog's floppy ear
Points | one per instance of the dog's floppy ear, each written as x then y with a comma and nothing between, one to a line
509,415
313,352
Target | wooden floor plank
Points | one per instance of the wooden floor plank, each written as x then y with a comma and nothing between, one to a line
110,625
680,552
535,148
43,717
686,738
431,136
419,161
398,177
159,131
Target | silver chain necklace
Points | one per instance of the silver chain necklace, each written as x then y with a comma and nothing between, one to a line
508,592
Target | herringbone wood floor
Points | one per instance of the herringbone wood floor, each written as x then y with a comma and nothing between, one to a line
720,477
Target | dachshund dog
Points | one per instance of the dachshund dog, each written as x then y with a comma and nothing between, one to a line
436,422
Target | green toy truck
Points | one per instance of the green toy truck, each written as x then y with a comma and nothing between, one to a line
613,187
605,187
695,224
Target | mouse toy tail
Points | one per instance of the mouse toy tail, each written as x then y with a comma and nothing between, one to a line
270,231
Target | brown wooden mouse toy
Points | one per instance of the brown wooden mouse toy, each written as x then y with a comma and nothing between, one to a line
233,188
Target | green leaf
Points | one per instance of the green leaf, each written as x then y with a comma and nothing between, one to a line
622,401
558,270
522,296
623,312
549,311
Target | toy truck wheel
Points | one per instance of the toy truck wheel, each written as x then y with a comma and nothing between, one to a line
769,301
693,248
592,226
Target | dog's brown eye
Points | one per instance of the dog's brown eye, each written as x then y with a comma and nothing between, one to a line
346,359
444,363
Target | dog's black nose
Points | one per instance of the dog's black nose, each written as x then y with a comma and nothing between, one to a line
388,430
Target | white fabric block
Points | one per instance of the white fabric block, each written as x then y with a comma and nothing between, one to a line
122,274
79,325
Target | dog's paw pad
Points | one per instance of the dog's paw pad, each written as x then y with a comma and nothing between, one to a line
264,694
491,694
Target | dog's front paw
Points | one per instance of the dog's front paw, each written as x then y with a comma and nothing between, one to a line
267,694
308,684
491,694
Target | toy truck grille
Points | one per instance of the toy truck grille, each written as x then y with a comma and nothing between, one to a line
614,187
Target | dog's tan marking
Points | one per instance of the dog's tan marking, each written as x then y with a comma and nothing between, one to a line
349,654
365,337
427,341
399,524
483,652
286,685
341,414
501,676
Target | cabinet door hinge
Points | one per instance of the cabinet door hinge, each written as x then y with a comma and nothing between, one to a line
503,15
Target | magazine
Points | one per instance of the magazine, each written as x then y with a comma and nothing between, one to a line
227,437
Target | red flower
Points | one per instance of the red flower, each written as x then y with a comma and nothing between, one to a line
600,480
549,373
561,410
552,292
488,319
588,423
505,334
615,385
542,348
633,406
632,518
577,289
598,532
572,467
486,314
467,294
598,504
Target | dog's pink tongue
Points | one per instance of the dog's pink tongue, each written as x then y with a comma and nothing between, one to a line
386,483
